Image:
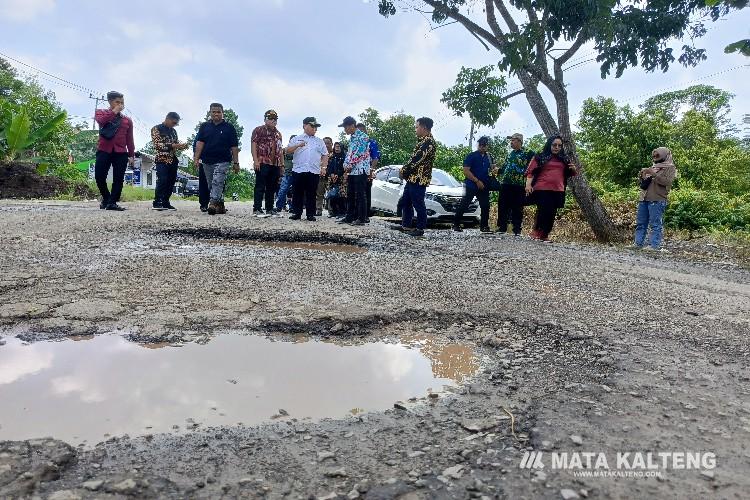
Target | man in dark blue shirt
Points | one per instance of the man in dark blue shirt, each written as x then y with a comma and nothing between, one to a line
477,166
217,146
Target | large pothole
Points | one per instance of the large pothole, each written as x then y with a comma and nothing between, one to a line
87,389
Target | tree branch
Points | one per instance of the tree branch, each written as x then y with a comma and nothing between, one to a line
492,19
513,94
579,41
470,25
512,26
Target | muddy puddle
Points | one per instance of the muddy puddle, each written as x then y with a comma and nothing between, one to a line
86,390
295,245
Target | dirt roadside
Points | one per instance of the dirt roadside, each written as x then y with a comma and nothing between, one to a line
589,348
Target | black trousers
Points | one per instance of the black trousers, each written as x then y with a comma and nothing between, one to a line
266,184
166,176
204,193
356,193
483,196
369,197
547,203
119,163
510,207
304,187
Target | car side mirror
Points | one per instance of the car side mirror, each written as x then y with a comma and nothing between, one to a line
394,180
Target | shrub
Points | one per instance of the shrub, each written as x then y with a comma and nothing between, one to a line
694,209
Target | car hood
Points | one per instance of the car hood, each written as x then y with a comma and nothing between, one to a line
445,190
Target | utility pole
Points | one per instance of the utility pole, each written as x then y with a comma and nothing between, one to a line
96,106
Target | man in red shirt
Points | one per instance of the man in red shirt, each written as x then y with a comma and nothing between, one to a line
116,149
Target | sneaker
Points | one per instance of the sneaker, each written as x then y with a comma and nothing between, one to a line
273,212
204,208
458,229
397,227
415,232
102,205
169,207
357,223
311,218
115,207
485,229
367,220
295,217
212,208
319,213
331,216
158,207
220,208
344,221
258,212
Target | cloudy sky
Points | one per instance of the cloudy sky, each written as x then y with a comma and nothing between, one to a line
325,58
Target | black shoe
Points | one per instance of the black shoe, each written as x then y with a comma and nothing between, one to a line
415,232
169,207
258,212
115,207
295,217
273,212
344,221
103,205
458,229
319,213
500,231
397,227
311,218
158,206
485,229
357,223
204,208
367,220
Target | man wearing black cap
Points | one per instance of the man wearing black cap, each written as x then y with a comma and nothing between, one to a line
357,164
268,162
477,166
310,158
167,147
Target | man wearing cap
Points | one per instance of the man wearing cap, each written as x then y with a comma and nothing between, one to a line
167,147
512,186
116,149
477,167
217,146
357,164
268,162
310,158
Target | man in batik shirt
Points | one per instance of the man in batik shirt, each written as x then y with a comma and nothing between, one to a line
268,162
512,182
357,164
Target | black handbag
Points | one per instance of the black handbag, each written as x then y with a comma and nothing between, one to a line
645,183
109,130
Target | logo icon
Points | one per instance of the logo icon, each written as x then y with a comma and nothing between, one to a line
532,460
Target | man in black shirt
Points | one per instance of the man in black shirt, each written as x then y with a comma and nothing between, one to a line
217,146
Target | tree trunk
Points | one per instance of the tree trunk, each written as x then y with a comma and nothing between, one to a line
592,208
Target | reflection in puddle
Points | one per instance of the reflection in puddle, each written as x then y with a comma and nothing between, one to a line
296,245
84,390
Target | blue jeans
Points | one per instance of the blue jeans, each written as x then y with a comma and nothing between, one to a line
413,199
286,186
650,213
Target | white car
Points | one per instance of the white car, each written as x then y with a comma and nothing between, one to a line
442,198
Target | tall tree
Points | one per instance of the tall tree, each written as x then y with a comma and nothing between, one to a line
478,93
536,39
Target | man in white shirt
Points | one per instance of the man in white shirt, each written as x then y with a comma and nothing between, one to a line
310,158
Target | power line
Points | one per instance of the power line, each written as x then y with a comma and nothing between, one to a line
63,80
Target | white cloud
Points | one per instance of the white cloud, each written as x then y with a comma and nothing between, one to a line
25,10
17,361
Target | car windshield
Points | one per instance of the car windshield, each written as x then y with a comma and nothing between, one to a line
443,178
192,183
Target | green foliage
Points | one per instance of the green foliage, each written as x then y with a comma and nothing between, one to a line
16,134
241,183
84,144
478,93
68,172
615,142
694,209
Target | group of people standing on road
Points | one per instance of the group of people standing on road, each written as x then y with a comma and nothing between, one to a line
319,171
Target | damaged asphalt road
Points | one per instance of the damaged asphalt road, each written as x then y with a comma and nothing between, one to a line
582,348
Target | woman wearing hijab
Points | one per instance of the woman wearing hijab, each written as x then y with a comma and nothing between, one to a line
655,181
546,180
335,185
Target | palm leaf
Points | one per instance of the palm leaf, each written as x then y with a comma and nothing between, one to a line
46,130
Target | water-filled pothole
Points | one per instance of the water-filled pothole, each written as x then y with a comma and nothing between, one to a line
88,390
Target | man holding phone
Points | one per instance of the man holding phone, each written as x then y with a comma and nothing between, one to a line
116,149
167,146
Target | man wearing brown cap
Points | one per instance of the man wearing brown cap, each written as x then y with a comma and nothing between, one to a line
512,184
268,162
